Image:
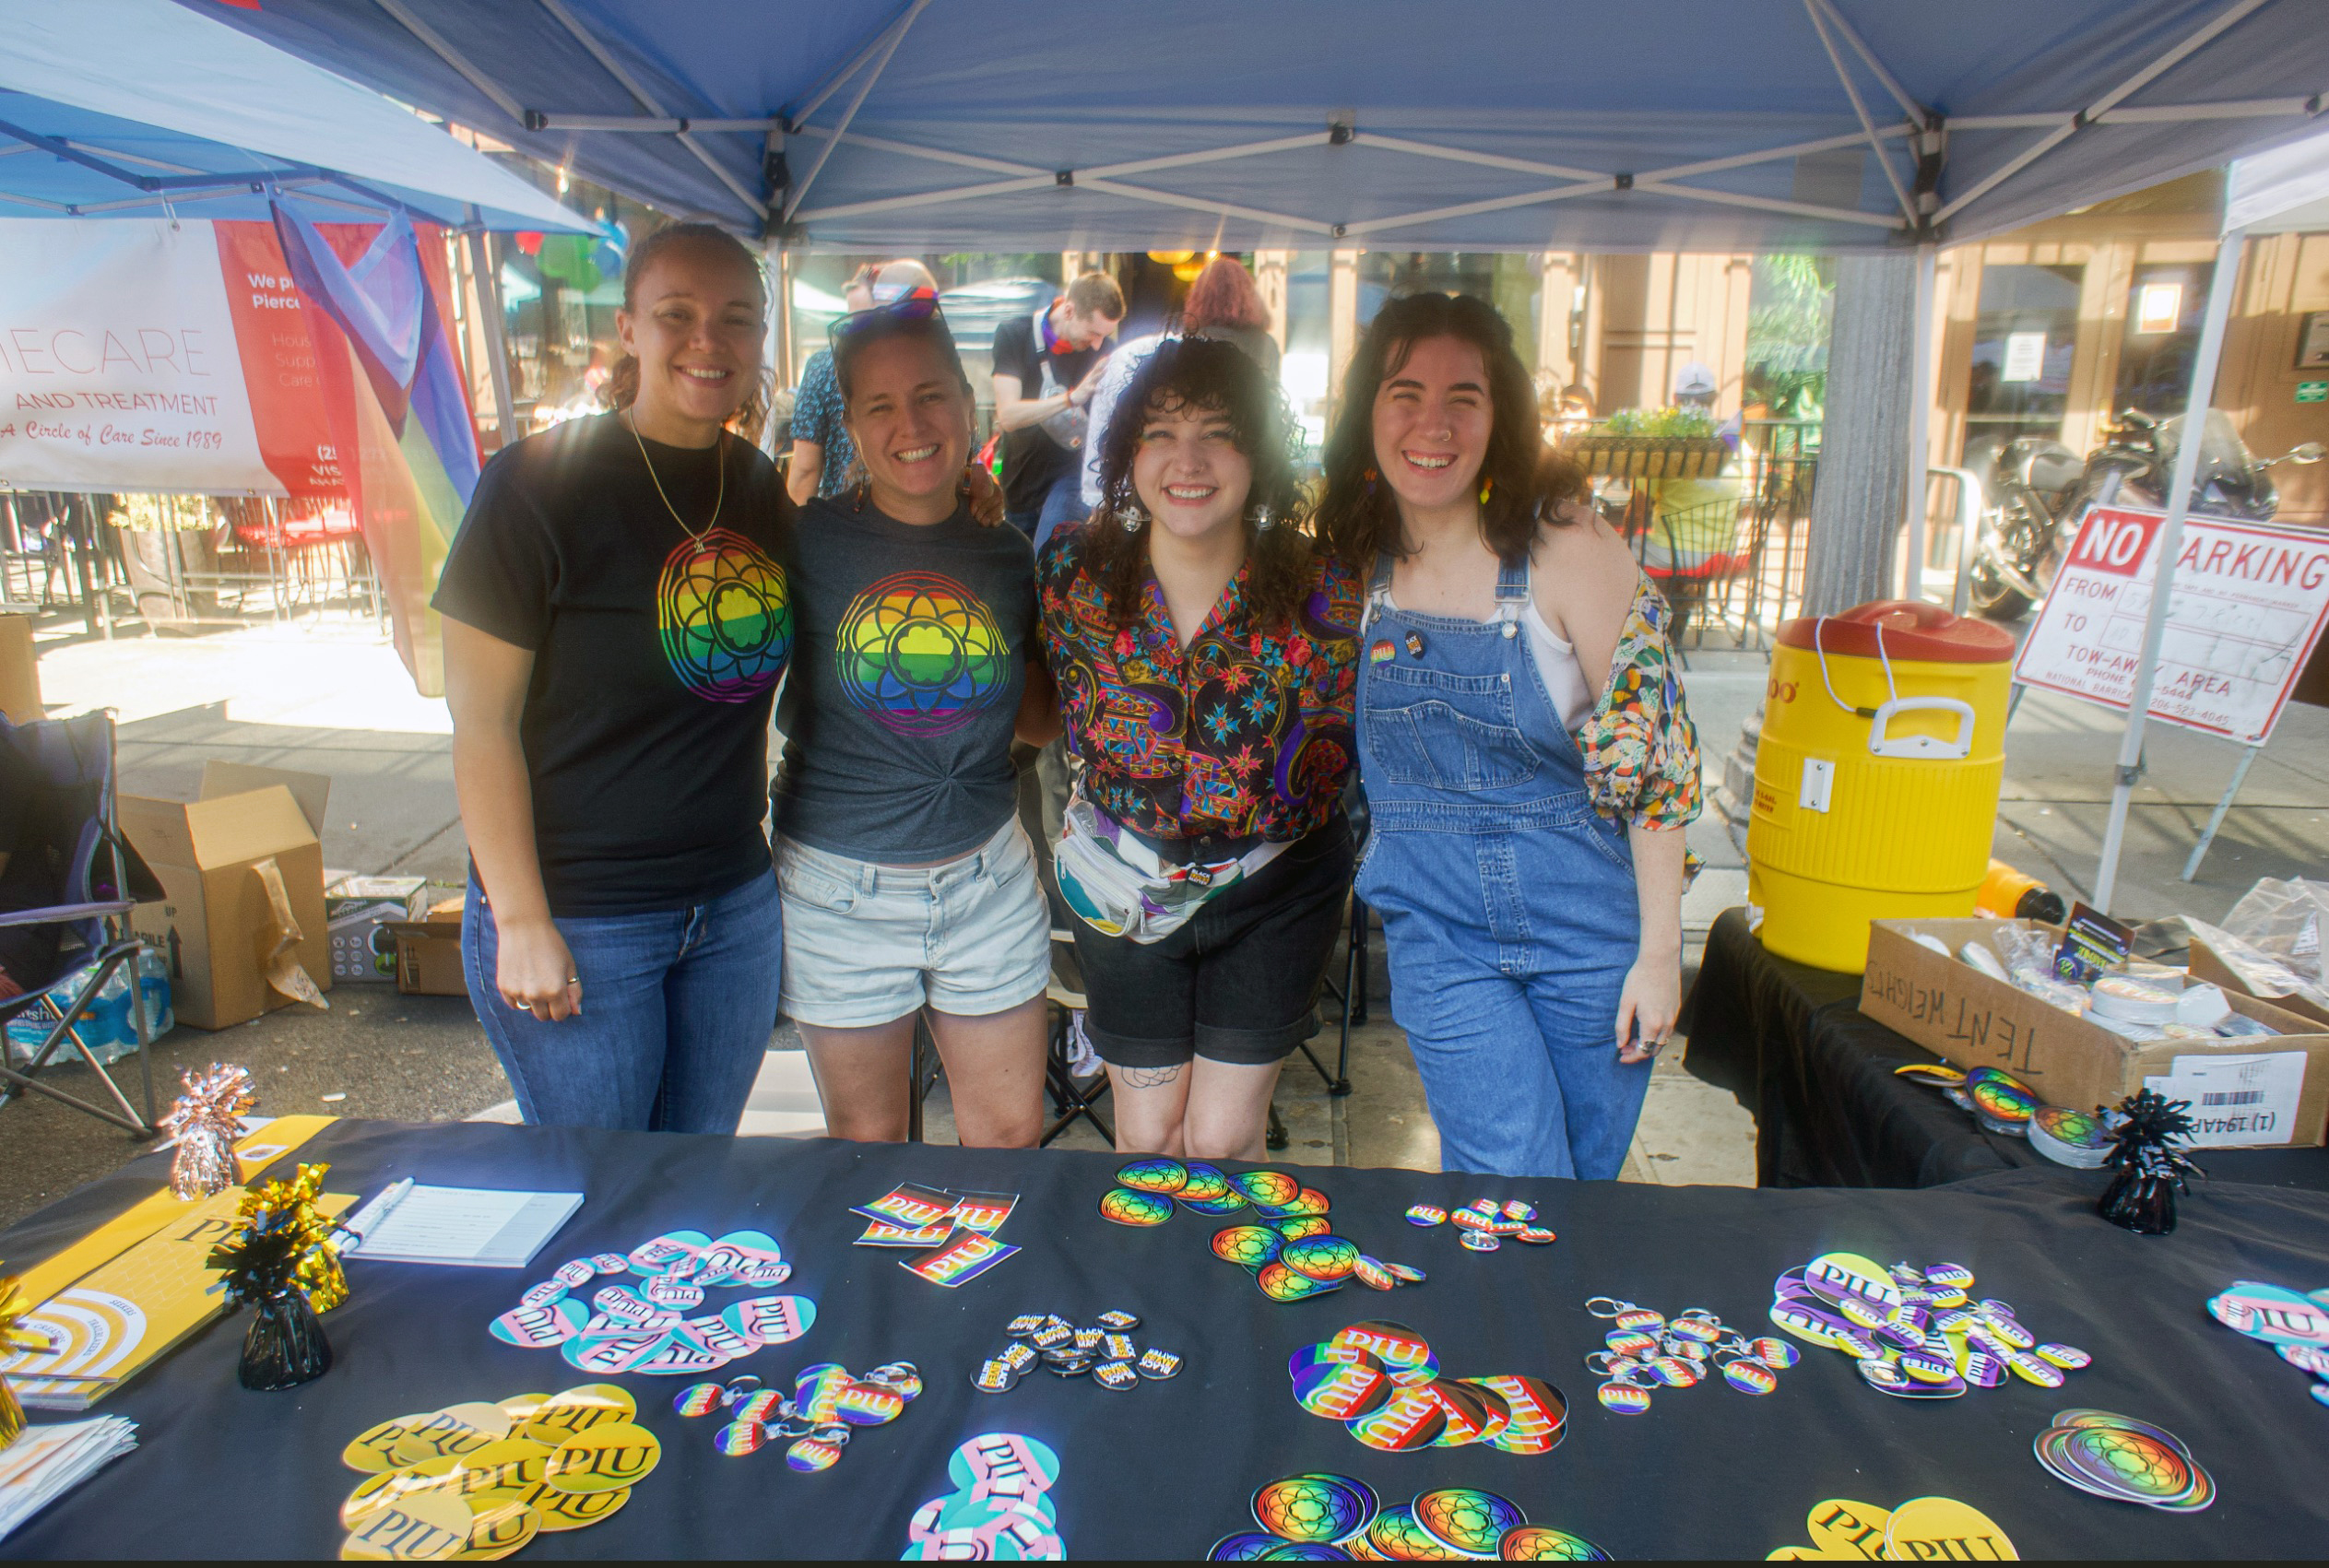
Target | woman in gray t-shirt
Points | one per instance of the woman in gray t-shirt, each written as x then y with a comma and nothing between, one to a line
907,883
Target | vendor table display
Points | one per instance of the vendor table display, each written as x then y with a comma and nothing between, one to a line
1790,1042
1178,1466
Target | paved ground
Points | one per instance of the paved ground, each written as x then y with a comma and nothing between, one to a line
325,694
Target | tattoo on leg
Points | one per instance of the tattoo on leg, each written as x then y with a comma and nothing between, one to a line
1150,1077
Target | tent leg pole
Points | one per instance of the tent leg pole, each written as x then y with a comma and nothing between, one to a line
2223,810
489,300
1919,421
2154,626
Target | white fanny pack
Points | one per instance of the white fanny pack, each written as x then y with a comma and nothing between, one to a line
1120,887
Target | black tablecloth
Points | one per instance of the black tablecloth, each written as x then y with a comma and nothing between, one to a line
1166,1468
1790,1042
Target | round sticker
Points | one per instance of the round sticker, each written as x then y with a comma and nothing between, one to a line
1275,1188
1309,1508
572,1510
1427,1214
1750,1377
607,1457
1249,1246
1227,1203
428,1526
1322,1257
811,1454
2029,1369
570,1411
1470,1520
1394,1534
453,1431
699,1399
1412,1418
1374,1274
1542,1543
1341,1391
1941,1527
1623,1399
1301,1227
1205,1183
1017,1466
1283,1284
1405,1273
391,1489
740,1438
374,1449
2068,1356
1128,1206
1244,1546
868,1404
1153,1175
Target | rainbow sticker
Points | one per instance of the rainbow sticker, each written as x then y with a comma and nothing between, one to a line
1470,1520
920,653
1249,1246
1310,1508
1322,1257
738,1438
1283,1284
1395,1534
724,615
1268,1189
1153,1175
1540,1414
1542,1543
1411,1419
1303,1226
1205,1183
1427,1214
1128,1208
700,1399
1340,1392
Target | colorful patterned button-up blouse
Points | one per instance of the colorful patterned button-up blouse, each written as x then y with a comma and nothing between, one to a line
1246,731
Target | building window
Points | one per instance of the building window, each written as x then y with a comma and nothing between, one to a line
1514,284
2024,339
2164,306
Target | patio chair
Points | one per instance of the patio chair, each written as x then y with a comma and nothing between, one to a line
1693,553
102,878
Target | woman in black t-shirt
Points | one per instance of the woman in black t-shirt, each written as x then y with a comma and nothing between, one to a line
616,618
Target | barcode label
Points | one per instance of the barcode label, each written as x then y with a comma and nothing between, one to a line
2240,1097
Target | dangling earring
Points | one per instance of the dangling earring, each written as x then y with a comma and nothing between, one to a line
1130,516
1487,489
1262,519
864,488
1370,476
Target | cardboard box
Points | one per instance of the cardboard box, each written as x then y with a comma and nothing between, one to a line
2207,965
429,952
20,671
359,910
218,918
1972,1020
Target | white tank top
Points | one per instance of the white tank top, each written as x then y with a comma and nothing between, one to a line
1572,697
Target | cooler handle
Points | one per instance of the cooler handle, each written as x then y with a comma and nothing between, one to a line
1926,748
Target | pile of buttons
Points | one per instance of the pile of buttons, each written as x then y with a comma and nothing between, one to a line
1326,1518
1104,1350
2125,1460
661,1325
1648,1350
1288,1243
1382,1382
1915,1333
1486,1223
482,1480
2298,1327
998,1512
827,1401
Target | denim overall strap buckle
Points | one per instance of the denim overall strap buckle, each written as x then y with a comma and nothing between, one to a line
1512,595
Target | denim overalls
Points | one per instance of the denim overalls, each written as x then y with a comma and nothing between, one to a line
1508,901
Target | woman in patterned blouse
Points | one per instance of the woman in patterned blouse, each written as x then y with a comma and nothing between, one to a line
1527,759
1202,643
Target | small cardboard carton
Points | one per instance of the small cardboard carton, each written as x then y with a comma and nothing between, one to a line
359,910
429,952
2244,1093
2207,964
242,912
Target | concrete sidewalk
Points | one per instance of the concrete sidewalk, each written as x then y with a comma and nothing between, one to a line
326,694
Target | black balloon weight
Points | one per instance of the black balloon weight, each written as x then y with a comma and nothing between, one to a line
285,1345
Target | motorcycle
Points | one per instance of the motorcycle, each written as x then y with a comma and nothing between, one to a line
2037,490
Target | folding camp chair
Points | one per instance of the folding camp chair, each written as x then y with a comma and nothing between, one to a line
1350,992
102,880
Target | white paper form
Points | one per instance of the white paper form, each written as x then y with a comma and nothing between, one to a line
471,1227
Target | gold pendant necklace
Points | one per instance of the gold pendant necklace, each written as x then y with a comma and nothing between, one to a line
719,498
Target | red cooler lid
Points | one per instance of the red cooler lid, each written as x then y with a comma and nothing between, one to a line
1912,629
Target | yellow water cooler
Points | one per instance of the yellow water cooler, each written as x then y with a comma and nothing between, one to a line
1876,778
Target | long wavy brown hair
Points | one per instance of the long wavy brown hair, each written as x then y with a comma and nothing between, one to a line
1358,514
1217,377
622,382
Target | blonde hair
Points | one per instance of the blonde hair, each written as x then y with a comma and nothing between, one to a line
622,382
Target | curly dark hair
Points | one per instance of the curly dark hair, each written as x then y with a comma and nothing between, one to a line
1210,375
1358,513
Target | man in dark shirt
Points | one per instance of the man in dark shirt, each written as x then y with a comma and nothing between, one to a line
1045,373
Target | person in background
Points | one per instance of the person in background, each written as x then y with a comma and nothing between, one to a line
909,888
1202,645
821,453
1042,381
1527,762
1224,302
616,621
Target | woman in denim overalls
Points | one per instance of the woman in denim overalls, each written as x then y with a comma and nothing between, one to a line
1534,944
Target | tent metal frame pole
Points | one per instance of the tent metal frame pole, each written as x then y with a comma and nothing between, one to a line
2154,626
434,43
1909,106
489,298
1813,10
865,88
2235,11
1920,420
835,79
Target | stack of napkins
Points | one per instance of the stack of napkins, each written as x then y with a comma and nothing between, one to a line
49,1461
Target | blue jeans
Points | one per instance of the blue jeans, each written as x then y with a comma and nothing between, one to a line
678,1007
1063,504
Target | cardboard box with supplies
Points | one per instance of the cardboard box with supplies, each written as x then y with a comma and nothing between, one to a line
241,914
2209,965
361,911
428,951
2271,1090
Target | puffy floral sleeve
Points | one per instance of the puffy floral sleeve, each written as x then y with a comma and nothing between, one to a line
1640,749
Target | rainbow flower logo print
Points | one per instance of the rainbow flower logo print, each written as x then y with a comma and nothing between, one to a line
726,617
921,652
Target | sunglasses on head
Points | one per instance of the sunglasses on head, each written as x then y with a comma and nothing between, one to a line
920,305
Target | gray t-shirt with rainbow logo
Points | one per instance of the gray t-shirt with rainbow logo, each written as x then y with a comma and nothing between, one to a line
909,660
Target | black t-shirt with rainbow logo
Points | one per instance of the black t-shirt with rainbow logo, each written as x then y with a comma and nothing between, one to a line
658,648
906,682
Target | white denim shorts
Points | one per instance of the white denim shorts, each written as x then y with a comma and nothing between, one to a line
866,943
